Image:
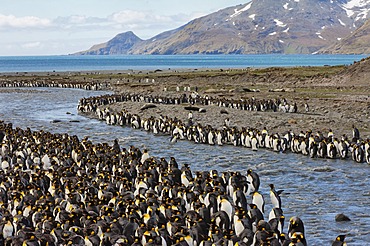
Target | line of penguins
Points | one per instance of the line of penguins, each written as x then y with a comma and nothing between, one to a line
307,143
59,84
58,190
250,104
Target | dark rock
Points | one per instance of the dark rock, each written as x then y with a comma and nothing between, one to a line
149,105
202,110
55,121
341,217
250,90
276,90
282,90
192,108
224,111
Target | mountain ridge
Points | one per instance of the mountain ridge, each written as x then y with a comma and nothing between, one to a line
356,43
257,27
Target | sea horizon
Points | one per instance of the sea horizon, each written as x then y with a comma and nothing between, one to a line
80,63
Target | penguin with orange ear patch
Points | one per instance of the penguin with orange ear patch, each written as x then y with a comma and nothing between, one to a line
339,241
295,225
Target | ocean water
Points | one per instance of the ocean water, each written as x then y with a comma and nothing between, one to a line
163,62
314,189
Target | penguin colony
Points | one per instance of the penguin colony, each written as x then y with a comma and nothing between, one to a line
307,143
58,84
58,190
251,104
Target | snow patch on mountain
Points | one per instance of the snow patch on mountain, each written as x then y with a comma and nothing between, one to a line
279,23
356,3
341,22
358,8
238,12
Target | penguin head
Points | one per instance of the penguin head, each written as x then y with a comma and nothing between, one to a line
340,238
295,221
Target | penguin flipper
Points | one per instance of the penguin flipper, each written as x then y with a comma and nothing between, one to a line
279,192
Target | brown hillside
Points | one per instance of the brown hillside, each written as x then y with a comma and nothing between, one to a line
357,74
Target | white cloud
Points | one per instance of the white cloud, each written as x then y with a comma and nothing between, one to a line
80,22
31,35
77,19
129,17
138,18
31,45
11,21
127,20
123,21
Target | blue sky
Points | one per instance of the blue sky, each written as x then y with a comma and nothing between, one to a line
51,27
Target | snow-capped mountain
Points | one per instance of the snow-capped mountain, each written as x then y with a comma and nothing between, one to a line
259,26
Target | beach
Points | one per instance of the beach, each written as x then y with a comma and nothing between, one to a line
335,101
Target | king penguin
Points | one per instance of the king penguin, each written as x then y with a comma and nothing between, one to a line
254,181
8,229
295,225
254,143
275,196
259,201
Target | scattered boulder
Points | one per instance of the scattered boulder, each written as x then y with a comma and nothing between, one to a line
250,90
202,110
74,121
55,121
148,105
341,218
224,111
282,90
192,108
